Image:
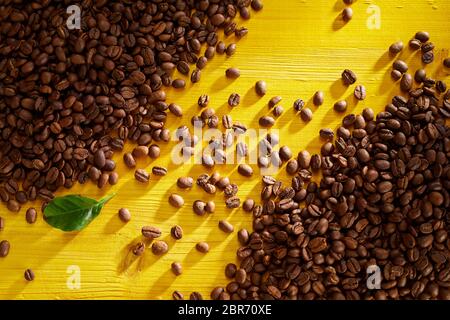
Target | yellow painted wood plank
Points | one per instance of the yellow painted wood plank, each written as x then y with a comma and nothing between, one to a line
298,47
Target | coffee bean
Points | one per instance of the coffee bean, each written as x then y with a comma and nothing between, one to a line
243,236
446,62
210,207
422,36
232,202
360,92
225,226
318,98
304,159
202,247
420,75
274,101
196,76
124,215
406,82
348,76
347,14
400,65
195,296
183,67
277,111
159,247
177,295
248,205
176,200
340,106
129,160
176,267
348,2
298,105
326,134
306,114
142,176
176,232
151,232
396,75
231,49
139,249
159,171
285,153
234,100
220,47
201,62
199,207
414,44
396,47
29,275
178,83
31,215
257,5
245,170
203,100
185,182
4,248
210,52
266,121
13,206
261,88
113,178
428,57
232,73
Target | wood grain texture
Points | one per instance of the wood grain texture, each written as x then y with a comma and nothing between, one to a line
298,47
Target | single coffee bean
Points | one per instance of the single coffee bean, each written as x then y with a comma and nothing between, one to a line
396,75
183,67
422,36
292,167
201,62
318,98
151,232
139,249
347,14
428,57
245,170
31,215
176,232
231,49
227,121
285,153
406,82
420,75
176,267
304,159
159,171
340,106
4,248
243,236
232,202
202,247
29,275
13,205
176,110
178,83
298,105
277,111
225,226
396,47
176,200
248,205
159,247
99,159
261,88
360,92
230,270
185,182
113,178
203,100
232,73
348,77
414,44
210,207
199,207
306,114
210,52
446,62
177,295
257,5
266,121
129,160
326,134
140,151
234,100
221,47
274,101
195,296
154,151
427,47
142,176
196,76
124,215
400,65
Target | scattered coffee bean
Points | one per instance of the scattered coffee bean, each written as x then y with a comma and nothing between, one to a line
277,111
221,47
327,134
420,75
159,247
400,65
151,232
140,151
142,176
340,106
196,76
176,200
257,5
292,167
177,295
178,83
266,121
422,36
274,101
232,202
124,214
225,226
446,62
360,92
29,275
202,247
243,236
348,77
185,182
199,207
4,248
195,296
231,49
139,249
201,62
245,170
298,105
396,47
159,171
396,75
261,88
234,100
414,44
248,205
154,151
306,114
347,14
428,57
177,269
304,159
176,232
203,100
285,153
31,215
318,98
232,73
406,82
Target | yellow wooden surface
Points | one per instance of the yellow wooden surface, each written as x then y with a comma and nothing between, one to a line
297,46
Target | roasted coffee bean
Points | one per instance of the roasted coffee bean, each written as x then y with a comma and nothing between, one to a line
154,151
231,49
304,159
176,200
306,114
257,5
201,62
230,270
446,62
298,105
4,248
245,170
29,275
196,76
178,83
347,14
420,75
159,171
199,207
210,207
326,134
340,106
225,226
274,101
124,215
396,47
266,121
151,232
278,111
195,296
220,47
360,92
414,44
139,249
203,100
422,36
177,295
185,182
428,57
400,65
159,247
318,98
176,267
232,202
176,232
285,153
31,215
232,73
248,205
129,160
142,176
406,82
202,247
396,75
243,236
261,88
234,100
348,77
176,110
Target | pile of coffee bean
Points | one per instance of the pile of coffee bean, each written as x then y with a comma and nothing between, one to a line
382,203
70,98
